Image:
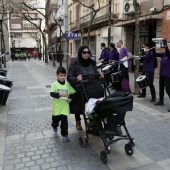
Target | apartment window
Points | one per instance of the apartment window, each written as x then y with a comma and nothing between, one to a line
27,24
33,35
31,16
17,35
15,16
70,17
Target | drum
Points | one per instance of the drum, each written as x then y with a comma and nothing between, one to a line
6,82
142,82
2,77
107,69
115,77
4,93
99,65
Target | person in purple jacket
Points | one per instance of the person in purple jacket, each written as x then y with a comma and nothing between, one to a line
124,56
164,80
148,70
105,54
104,58
114,59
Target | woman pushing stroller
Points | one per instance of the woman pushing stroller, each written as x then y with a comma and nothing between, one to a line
81,65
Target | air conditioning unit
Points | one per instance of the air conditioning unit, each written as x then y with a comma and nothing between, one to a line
129,7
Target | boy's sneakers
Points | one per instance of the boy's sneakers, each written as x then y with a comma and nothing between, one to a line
55,130
66,139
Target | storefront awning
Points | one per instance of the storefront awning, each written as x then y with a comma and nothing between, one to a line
141,19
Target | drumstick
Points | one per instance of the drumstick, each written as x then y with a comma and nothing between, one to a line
114,61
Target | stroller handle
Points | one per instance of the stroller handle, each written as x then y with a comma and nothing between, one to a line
87,78
90,75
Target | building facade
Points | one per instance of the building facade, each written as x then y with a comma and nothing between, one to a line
24,35
81,17
4,28
154,22
57,25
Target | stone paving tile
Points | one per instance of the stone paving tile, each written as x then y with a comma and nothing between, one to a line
29,122
152,138
26,148
51,153
33,103
27,92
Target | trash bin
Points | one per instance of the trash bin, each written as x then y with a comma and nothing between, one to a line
2,77
4,93
3,72
6,82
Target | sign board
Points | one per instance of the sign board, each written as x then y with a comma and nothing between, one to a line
72,35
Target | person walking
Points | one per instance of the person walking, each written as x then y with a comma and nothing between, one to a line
62,93
164,80
82,64
124,57
148,70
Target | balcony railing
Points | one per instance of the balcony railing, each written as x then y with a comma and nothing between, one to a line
101,16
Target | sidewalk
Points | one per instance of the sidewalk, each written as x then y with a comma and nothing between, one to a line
28,143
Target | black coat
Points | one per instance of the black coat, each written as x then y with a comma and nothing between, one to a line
74,70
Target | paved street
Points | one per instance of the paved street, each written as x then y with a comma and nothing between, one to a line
28,143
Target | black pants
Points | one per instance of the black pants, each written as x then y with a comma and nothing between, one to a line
125,86
77,117
164,82
64,123
150,76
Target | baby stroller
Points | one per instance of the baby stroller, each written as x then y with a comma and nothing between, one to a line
108,116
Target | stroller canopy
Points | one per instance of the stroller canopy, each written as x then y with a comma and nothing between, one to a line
114,103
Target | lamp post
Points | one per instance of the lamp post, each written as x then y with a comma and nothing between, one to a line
44,39
109,23
60,23
13,46
137,61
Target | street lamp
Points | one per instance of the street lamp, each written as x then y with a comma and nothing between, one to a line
44,39
39,46
60,23
109,23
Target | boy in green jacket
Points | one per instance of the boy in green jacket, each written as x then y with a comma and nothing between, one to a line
62,93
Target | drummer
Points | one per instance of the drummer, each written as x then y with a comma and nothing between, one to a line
114,59
164,80
105,54
148,70
104,58
124,56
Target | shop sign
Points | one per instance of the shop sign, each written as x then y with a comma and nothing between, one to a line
72,35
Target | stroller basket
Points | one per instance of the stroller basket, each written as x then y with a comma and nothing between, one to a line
116,105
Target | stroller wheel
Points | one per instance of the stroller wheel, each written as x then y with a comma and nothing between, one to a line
111,137
129,149
103,156
82,142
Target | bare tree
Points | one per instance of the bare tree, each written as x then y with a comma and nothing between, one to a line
5,13
95,8
25,10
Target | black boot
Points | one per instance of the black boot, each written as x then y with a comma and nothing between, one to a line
153,100
160,103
